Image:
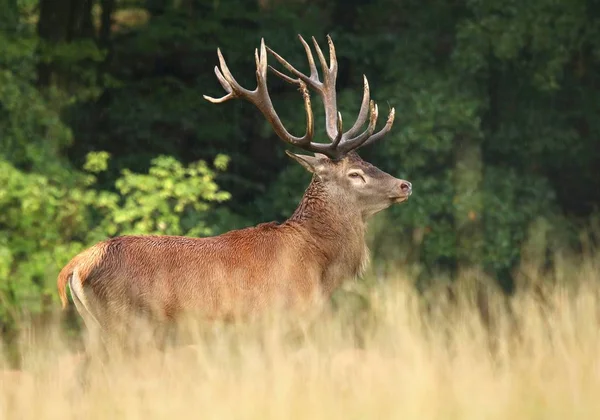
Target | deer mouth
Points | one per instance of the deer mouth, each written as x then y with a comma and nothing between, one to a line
400,199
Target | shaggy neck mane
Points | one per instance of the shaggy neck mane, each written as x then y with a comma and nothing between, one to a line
336,231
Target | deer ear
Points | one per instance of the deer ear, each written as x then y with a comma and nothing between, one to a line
312,164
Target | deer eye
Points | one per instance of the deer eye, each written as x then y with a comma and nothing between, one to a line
356,175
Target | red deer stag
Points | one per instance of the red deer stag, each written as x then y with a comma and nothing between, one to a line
295,264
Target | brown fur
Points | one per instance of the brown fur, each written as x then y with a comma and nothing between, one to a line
296,264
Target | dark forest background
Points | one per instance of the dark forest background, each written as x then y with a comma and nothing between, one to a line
104,131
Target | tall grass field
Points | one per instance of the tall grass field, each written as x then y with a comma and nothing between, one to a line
384,351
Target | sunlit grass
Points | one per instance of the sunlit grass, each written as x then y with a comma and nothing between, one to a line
393,355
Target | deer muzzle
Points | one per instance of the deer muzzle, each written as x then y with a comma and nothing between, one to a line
405,191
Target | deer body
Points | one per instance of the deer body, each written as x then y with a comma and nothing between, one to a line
235,274
295,264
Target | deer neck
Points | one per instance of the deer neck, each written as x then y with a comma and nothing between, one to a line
336,233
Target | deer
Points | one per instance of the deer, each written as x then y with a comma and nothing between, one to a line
294,264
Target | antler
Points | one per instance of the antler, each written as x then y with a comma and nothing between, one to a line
341,143
260,97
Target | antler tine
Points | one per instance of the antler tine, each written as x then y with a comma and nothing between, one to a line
329,88
314,74
225,85
324,66
284,76
364,110
386,128
260,63
236,87
310,125
222,80
261,99
231,86
351,144
340,132
291,68
333,65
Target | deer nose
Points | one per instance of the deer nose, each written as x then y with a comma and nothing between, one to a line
406,187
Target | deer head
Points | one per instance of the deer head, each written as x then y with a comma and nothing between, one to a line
349,181
354,183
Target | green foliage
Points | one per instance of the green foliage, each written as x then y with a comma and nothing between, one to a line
37,216
171,199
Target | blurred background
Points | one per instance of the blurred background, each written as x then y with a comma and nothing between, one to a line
104,131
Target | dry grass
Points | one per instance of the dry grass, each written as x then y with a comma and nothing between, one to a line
392,359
